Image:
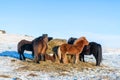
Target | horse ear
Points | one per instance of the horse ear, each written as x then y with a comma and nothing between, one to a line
84,38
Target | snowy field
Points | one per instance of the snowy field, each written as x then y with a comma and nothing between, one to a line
9,62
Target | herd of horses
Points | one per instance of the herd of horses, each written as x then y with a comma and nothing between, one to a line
75,47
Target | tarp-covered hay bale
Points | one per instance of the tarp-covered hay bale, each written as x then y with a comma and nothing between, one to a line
53,45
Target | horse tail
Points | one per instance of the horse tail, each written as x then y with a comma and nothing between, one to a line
99,54
59,53
19,48
19,45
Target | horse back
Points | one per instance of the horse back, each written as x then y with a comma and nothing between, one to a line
23,43
40,46
69,49
94,47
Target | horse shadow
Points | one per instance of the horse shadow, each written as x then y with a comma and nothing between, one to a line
15,54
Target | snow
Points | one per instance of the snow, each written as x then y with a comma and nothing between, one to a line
8,53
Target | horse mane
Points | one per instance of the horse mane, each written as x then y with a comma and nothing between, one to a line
79,40
37,39
40,38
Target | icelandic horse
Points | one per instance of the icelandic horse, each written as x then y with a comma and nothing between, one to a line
40,46
22,46
28,46
93,48
72,49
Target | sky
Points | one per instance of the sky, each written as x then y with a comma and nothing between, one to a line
98,20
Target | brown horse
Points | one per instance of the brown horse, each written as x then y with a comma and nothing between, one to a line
28,46
24,45
40,46
74,49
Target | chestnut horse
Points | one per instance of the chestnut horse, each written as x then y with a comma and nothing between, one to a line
40,46
74,49
93,48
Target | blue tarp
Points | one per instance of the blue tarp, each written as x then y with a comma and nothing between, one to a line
15,54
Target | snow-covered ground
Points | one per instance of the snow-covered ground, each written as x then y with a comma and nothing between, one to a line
8,64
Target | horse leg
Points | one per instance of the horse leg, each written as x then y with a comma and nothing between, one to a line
65,59
81,57
77,58
68,57
20,55
72,58
42,57
62,58
96,57
36,58
23,55
33,54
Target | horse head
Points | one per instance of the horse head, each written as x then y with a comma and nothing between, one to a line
81,40
50,38
45,37
71,40
85,41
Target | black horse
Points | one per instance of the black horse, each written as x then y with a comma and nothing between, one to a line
93,48
28,46
24,45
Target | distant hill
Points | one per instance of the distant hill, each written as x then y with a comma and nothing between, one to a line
111,50
9,42
2,31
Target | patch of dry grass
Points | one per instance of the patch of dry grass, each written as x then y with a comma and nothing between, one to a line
5,76
48,66
32,74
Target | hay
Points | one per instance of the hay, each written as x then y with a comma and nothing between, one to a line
53,44
48,66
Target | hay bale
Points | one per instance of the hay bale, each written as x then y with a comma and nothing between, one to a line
53,45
